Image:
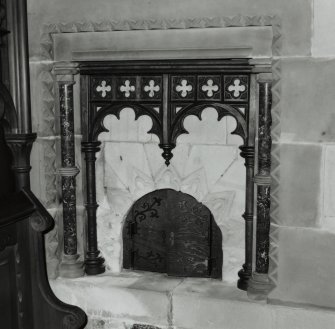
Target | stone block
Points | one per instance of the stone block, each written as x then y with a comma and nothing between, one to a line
119,298
329,188
307,103
300,177
323,40
216,306
305,271
304,318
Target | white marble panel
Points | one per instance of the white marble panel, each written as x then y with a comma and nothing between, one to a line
127,128
215,159
207,131
122,158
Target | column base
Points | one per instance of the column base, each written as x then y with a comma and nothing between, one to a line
95,266
259,286
243,282
71,267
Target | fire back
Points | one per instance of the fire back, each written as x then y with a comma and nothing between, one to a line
171,232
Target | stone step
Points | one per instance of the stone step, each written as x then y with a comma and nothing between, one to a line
132,299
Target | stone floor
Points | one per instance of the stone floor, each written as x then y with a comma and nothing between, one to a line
148,300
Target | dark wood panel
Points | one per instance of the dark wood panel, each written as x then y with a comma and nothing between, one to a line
8,290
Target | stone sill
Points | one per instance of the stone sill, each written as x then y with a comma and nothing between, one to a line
120,300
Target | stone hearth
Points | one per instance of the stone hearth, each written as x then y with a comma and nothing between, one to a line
120,301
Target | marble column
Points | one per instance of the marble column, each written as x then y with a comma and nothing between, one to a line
259,285
70,265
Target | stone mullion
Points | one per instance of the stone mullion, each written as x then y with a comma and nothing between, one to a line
259,285
70,266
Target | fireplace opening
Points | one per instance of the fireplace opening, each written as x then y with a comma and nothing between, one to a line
168,231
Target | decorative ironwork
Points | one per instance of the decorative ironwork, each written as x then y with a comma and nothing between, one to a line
141,215
174,234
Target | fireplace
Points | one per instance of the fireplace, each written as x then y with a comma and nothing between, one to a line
169,87
171,232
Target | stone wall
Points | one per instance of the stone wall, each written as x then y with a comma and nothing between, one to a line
303,236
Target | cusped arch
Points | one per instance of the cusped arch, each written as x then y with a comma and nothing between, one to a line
197,110
115,109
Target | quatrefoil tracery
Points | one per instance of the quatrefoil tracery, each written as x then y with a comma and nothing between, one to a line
168,102
127,88
151,89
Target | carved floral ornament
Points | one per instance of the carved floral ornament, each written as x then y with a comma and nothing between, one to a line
127,88
151,88
210,88
184,88
103,88
237,88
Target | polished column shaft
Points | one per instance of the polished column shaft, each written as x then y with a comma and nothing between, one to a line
70,265
259,284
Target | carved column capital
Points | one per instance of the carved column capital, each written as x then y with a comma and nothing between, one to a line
264,78
21,145
65,72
